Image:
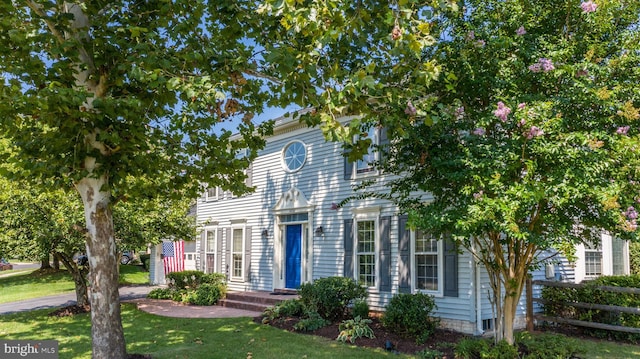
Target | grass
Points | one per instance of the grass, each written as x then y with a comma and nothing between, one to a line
34,284
164,337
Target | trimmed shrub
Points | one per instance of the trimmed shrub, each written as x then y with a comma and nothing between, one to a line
185,279
331,297
284,309
207,294
360,309
160,293
543,346
410,315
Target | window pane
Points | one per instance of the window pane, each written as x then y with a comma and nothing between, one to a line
365,165
427,272
237,240
366,270
211,241
237,265
593,263
366,236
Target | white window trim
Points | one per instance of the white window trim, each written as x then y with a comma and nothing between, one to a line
365,215
283,162
440,291
209,198
231,269
598,249
208,250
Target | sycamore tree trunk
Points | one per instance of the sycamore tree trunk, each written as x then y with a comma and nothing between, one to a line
106,326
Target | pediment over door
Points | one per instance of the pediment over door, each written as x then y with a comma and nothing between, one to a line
293,201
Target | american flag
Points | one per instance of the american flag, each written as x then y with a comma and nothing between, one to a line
173,253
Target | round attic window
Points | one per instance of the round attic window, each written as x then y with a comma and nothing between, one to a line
294,156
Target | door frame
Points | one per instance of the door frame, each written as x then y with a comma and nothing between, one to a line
290,203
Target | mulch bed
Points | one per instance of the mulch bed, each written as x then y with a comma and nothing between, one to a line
442,340
70,311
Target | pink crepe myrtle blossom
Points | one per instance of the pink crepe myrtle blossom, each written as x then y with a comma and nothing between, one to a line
480,131
521,105
410,109
622,130
478,195
588,6
631,213
521,123
521,31
480,43
502,112
543,65
471,36
534,131
459,113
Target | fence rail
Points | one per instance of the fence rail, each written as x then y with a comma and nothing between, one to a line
581,323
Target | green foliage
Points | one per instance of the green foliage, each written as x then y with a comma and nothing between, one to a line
589,293
634,257
554,346
353,329
207,294
160,293
184,279
410,314
471,348
331,297
502,350
284,309
360,309
193,287
430,354
311,321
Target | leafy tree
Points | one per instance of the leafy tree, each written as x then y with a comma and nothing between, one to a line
95,93
530,138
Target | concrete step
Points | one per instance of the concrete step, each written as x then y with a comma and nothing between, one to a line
256,301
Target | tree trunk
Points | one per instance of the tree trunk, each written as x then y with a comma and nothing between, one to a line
56,262
106,324
44,263
79,274
510,307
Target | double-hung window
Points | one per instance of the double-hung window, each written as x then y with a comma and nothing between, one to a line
210,249
237,254
366,252
592,261
427,263
212,194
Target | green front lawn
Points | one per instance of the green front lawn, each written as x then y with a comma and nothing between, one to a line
164,337
33,284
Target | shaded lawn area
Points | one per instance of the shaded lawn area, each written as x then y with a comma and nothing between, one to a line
35,283
164,337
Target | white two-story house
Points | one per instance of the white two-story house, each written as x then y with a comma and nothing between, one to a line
290,231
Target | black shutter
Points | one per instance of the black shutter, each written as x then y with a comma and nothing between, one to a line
219,251
385,254
348,167
203,244
247,254
348,248
450,268
383,143
404,265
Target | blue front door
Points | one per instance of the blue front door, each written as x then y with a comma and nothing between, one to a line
293,256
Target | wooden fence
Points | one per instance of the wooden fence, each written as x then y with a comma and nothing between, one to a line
611,308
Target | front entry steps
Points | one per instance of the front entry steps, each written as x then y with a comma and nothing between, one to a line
256,301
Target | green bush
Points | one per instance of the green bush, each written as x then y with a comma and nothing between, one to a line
145,259
160,293
591,294
185,279
207,294
471,348
360,309
502,350
330,297
353,329
543,346
284,309
410,315
213,278
311,322
429,354
634,257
